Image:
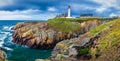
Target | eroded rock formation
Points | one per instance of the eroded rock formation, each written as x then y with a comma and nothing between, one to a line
70,48
89,46
40,35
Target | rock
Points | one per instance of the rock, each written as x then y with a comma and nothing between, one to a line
73,52
70,48
39,60
3,56
40,35
59,56
42,60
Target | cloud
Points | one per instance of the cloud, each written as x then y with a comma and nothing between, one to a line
114,15
26,15
44,9
79,7
5,2
105,5
101,9
52,9
16,12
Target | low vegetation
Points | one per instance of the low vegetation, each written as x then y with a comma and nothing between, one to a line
109,42
107,46
81,19
69,24
63,25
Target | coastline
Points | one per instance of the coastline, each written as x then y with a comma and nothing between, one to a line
49,40
67,44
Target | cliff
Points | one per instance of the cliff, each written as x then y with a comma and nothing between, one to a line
72,40
99,44
45,35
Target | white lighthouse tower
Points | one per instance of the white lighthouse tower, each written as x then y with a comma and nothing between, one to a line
69,9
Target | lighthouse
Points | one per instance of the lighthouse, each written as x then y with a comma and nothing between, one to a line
69,9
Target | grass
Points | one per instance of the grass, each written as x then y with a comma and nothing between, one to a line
101,27
108,34
66,25
83,51
80,19
108,44
63,25
112,37
109,41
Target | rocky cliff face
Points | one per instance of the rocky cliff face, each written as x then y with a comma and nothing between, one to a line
40,35
70,48
99,44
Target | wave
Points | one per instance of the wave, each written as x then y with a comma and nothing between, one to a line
1,43
8,28
3,36
6,37
6,33
7,48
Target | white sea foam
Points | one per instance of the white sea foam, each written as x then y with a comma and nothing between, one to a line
6,33
3,36
1,43
11,27
7,28
7,48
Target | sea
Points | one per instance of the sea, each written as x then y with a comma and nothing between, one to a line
17,52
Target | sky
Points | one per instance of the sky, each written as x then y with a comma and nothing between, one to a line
46,9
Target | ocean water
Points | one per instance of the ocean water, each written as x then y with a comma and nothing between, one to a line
14,51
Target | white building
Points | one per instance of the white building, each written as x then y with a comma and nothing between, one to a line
69,12
68,15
